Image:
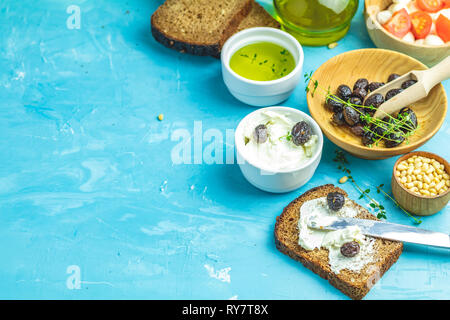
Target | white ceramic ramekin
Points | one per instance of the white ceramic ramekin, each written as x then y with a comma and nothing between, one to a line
282,180
261,93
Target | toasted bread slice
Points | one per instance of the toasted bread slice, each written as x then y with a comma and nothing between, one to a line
355,285
258,17
198,26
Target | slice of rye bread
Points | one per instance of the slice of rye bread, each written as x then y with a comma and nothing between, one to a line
198,27
258,17
353,284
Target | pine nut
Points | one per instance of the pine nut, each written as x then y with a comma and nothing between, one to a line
343,179
423,176
440,185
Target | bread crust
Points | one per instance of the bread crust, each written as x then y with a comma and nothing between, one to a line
355,290
200,49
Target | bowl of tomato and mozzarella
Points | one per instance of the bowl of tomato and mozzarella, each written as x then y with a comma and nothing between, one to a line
419,28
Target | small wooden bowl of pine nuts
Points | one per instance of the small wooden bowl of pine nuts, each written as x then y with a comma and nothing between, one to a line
421,183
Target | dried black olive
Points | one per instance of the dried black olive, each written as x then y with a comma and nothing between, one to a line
334,105
375,85
260,133
408,83
411,119
368,138
335,200
351,116
301,133
362,111
350,249
357,130
356,100
391,93
374,100
359,93
361,84
344,92
338,119
393,76
380,129
394,139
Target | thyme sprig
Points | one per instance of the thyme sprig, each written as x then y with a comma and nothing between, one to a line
287,136
389,124
378,208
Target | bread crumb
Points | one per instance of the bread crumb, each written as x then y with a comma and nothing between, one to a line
160,117
332,45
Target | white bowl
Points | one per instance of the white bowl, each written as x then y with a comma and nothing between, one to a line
261,93
278,181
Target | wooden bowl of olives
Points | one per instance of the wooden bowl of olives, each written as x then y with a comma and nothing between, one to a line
335,97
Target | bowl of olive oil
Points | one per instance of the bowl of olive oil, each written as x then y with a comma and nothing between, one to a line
262,61
261,66
316,22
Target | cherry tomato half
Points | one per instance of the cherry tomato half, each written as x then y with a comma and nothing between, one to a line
399,24
443,28
430,5
420,24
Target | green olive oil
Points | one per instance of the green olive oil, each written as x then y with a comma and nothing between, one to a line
316,22
262,61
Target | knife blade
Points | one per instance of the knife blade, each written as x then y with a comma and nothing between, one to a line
386,230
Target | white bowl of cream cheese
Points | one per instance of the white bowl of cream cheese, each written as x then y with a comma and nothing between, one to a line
277,165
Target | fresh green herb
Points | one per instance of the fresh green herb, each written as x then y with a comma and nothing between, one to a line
287,136
246,140
380,190
378,208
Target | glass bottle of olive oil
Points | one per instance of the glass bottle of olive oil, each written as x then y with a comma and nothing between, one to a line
316,22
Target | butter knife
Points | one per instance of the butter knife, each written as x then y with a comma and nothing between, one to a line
386,230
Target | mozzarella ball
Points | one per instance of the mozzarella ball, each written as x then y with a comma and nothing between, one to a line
411,7
409,37
396,7
384,16
420,41
404,2
433,40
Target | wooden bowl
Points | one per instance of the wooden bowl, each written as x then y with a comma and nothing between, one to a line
375,65
418,204
430,55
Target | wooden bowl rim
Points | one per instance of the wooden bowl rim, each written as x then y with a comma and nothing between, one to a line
424,154
374,20
380,151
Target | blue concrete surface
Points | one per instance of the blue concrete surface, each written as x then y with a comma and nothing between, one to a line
92,205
